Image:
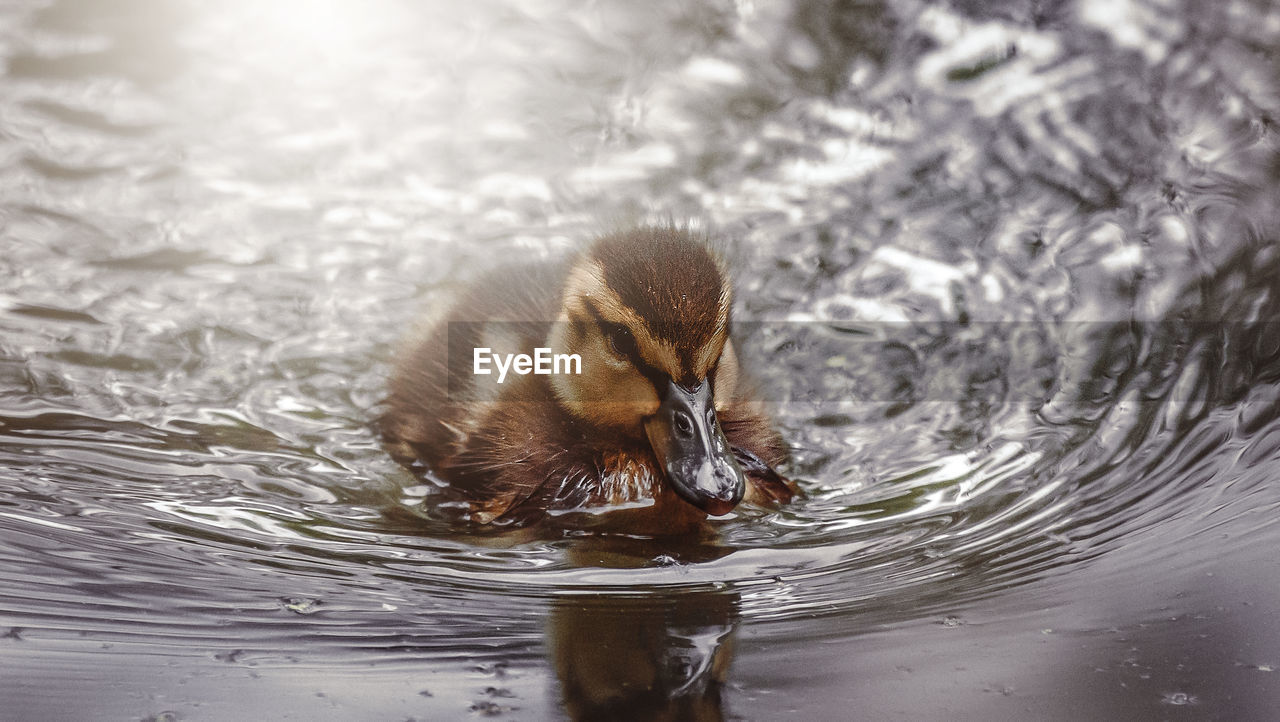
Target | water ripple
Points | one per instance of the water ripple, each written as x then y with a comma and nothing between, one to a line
1007,275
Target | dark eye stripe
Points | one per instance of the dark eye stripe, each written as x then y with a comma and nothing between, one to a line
577,327
632,352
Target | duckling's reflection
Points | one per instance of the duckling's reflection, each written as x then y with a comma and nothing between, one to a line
652,657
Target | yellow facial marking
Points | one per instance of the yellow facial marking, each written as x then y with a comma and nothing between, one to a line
726,377
713,351
611,390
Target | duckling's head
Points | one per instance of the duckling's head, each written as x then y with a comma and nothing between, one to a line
648,313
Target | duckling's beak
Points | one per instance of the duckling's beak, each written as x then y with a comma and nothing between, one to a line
691,448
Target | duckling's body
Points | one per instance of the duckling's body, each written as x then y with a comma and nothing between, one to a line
657,423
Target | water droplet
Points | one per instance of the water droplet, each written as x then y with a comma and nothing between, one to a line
498,692
1178,698
485,708
300,605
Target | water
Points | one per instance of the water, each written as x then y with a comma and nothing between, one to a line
1006,274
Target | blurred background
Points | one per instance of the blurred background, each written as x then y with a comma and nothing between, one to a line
1007,273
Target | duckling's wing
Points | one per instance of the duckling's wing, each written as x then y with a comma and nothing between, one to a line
763,479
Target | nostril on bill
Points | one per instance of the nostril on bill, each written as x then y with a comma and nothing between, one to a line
684,425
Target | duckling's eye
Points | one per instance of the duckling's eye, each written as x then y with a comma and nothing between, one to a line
621,342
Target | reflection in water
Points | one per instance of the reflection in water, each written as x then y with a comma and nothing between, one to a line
649,657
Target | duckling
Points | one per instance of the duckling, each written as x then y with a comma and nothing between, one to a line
655,420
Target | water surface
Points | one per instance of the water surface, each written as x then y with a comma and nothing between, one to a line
1007,277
